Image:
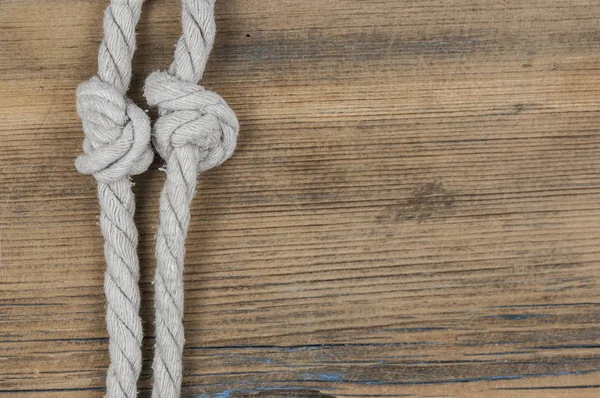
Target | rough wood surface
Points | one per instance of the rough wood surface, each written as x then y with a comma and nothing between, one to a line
413,209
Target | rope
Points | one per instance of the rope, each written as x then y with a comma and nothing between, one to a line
116,147
196,131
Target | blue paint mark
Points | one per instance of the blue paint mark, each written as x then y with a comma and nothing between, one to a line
570,346
506,377
266,361
470,379
409,330
545,305
333,377
223,394
330,377
228,393
518,317
481,354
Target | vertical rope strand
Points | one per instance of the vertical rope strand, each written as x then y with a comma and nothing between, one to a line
174,220
117,146
196,131
121,278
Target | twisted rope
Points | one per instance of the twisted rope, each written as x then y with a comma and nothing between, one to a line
117,146
196,131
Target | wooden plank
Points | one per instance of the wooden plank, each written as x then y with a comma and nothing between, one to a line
413,208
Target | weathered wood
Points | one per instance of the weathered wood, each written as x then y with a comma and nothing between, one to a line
413,209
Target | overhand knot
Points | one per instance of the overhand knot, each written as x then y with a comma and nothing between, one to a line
191,116
117,133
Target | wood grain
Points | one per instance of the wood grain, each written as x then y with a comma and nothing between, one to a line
413,208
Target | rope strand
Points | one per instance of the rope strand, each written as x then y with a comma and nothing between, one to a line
196,131
117,146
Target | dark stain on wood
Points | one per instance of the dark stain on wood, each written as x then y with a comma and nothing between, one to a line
426,200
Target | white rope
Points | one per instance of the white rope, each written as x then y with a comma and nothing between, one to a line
196,131
117,146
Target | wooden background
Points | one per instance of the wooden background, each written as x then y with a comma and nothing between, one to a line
413,208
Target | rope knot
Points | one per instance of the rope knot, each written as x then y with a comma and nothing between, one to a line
117,133
191,116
